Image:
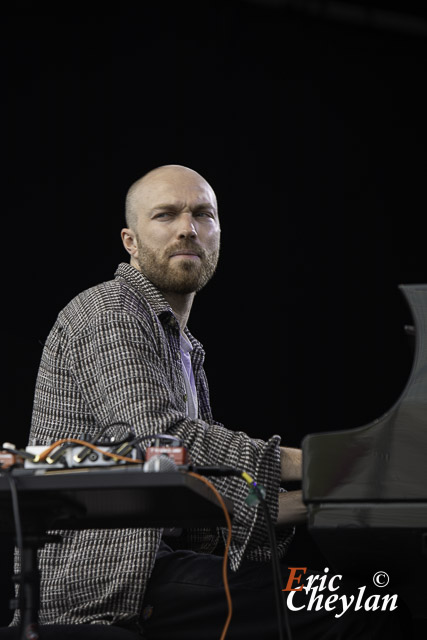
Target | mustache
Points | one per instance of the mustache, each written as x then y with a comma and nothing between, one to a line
187,246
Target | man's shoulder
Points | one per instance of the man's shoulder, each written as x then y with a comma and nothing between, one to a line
115,296
99,297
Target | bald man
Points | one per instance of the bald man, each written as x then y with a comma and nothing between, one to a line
120,358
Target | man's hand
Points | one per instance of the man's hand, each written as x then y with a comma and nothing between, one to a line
292,510
290,464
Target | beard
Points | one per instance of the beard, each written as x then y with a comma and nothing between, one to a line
183,276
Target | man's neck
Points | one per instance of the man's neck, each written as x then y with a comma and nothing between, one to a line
181,303
181,306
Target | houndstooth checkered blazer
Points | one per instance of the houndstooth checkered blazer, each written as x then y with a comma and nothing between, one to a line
113,356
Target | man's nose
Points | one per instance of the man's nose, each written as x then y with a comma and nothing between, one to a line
186,226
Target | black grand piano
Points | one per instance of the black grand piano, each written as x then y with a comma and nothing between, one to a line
366,488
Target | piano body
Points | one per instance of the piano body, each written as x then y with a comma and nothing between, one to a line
366,488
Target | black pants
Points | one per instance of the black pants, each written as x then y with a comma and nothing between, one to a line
186,601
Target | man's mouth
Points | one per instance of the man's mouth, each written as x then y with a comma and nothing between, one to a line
185,253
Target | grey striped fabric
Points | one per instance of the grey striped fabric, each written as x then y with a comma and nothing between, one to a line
112,359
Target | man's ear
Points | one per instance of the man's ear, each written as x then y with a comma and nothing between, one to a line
129,242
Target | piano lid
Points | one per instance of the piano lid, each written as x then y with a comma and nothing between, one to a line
385,460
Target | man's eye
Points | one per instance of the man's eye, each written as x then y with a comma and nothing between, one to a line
163,214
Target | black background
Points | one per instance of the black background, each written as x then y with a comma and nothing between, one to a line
309,120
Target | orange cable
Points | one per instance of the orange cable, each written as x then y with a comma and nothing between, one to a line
43,455
227,546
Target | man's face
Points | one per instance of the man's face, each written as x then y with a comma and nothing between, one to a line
177,232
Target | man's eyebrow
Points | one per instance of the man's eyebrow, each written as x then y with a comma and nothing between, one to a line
204,205
169,205
176,206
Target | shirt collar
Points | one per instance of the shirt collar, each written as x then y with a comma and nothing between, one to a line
186,345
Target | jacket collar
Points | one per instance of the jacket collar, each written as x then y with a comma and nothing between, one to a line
154,297
141,284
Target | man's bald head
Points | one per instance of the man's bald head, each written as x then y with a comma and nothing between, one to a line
169,175
173,231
